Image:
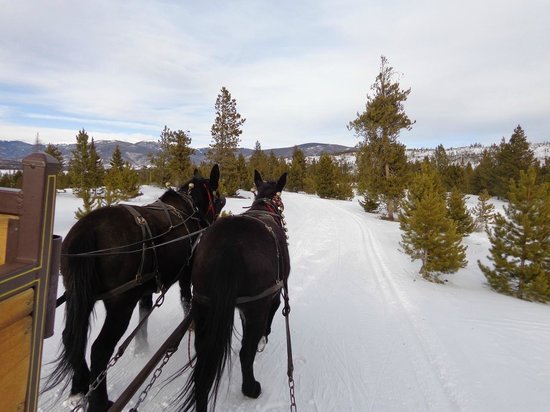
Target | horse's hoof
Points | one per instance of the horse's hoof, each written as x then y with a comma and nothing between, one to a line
252,391
261,344
75,402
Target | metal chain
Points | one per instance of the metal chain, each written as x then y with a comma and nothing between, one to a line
156,374
122,348
293,407
95,384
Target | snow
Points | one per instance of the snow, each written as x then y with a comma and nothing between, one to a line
367,333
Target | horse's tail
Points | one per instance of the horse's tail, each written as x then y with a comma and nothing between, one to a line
213,333
79,278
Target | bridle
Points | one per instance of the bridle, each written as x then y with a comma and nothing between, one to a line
214,199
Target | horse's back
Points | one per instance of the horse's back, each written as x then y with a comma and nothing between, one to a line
239,247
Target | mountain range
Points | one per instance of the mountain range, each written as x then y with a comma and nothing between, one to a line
138,154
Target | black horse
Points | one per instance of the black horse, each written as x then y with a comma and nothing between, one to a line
121,255
241,261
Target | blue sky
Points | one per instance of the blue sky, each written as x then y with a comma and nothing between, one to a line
299,70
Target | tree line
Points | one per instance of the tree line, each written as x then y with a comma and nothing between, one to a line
426,197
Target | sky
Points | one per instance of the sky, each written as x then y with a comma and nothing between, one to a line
368,334
300,71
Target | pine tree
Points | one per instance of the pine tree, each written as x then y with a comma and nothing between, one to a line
484,175
86,173
428,232
511,158
96,170
325,177
456,206
173,161
520,242
116,162
54,151
297,174
121,180
484,211
257,161
79,164
225,141
379,125
225,130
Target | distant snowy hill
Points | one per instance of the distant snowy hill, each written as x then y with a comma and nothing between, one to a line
138,154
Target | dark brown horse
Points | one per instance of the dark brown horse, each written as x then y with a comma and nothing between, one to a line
121,255
241,262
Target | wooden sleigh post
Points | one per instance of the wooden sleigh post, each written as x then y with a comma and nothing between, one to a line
26,225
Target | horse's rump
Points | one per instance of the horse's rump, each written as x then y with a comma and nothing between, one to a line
245,249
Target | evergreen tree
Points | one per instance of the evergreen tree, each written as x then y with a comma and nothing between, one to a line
225,130
520,242
511,158
484,175
54,151
297,174
96,170
484,211
173,161
225,141
379,125
79,164
116,162
257,161
429,234
121,180
325,177
456,206
86,173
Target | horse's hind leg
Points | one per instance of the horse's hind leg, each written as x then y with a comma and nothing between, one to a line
145,306
116,322
274,306
254,324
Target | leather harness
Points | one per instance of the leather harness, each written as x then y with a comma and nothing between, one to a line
148,243
259,216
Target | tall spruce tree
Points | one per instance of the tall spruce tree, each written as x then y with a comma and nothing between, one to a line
456,206
520,241
429,234
383,165
225,140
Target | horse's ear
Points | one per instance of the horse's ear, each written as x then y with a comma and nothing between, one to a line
214,177
257,178
281,182
196,173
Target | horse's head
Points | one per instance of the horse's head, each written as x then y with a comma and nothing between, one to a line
205,194
269,190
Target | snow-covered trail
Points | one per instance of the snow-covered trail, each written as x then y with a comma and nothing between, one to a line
367,334
360,346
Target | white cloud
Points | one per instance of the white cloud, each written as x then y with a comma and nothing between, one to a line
299,71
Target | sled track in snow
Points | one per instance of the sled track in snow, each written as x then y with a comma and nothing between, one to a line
430,352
